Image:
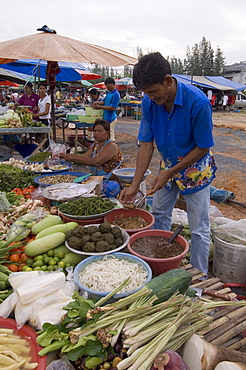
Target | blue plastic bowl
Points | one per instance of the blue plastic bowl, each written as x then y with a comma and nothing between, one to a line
98,295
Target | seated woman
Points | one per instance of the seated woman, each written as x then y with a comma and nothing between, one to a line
103,156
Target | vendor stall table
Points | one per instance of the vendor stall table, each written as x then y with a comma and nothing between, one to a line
44,131
80,125
229,323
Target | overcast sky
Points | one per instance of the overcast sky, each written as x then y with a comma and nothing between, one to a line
153,25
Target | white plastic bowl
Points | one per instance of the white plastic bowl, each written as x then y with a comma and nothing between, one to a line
98,295
126,175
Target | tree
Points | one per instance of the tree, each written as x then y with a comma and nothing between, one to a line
219,62
140,53
176,65
200,60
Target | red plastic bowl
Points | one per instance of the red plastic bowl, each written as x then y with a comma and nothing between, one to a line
136,212
85,222
160,265
30,335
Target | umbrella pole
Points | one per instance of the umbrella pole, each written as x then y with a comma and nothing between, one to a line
53,115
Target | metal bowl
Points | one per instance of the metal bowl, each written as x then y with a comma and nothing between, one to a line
125,175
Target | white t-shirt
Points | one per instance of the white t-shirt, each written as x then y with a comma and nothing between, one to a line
42,106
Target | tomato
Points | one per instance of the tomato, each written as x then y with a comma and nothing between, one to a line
22,249
14,257
13,268
23,257
28,196
21,266
32,187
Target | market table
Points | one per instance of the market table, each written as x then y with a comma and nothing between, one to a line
84,126
127,105
44,131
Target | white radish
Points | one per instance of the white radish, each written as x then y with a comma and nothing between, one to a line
227,365
199,354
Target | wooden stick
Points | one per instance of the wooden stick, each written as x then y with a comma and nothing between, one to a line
225,323
206,283
240,344
230,333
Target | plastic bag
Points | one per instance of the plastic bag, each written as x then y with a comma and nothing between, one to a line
57,148
179,216
214,212
233,232
22,226
61,364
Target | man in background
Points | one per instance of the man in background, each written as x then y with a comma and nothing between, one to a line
109,105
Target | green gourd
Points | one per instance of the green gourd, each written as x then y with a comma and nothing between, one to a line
46,222
44,244
63,228
166,284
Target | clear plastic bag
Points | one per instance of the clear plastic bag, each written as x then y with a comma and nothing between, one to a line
61,364
230,231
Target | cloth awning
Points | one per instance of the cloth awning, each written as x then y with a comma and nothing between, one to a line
212,82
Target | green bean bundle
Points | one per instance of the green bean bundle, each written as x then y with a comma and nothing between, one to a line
86,206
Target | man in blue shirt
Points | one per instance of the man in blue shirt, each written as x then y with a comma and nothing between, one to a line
109,105
178,117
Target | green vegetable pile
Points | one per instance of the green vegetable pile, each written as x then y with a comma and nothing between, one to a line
40,157
86,206
13,177
13,198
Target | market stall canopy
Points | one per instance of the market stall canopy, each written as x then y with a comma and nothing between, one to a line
212,82
37,68
100,85
11,76
54,47
8,83
126,81
88,75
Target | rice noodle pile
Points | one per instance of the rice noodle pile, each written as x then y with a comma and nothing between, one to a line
107,274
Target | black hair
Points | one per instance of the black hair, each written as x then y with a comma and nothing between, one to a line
42,84
29,84
109,80
105,124
150,69
93,91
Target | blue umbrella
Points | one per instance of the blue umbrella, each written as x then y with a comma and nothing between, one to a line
37,68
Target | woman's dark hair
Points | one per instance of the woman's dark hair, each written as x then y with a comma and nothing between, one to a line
150,69
42,84
103,123
93,91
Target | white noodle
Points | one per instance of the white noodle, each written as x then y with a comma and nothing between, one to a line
110,272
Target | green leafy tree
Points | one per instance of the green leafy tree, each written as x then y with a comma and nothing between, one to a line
176,65
139,53
219,62
200,59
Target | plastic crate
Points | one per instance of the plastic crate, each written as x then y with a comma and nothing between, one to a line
72,117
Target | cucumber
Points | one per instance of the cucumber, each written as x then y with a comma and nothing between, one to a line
61,248
45,223
72,258
166,284
44,244
63,228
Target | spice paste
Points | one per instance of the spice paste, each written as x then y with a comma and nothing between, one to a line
156,247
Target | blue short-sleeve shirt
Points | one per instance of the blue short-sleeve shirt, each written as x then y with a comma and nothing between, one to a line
112,99
188,125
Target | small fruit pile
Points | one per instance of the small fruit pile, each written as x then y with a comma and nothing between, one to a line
25,192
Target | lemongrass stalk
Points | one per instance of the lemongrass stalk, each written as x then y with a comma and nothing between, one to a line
142,353
144,337
108,321
111,294
159,307
150,321
141,301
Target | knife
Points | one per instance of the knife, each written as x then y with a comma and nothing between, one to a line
212,293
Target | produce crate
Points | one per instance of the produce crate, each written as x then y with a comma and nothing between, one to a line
72,117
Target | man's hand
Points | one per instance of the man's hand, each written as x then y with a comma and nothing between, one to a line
96,106
160,181
128,194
